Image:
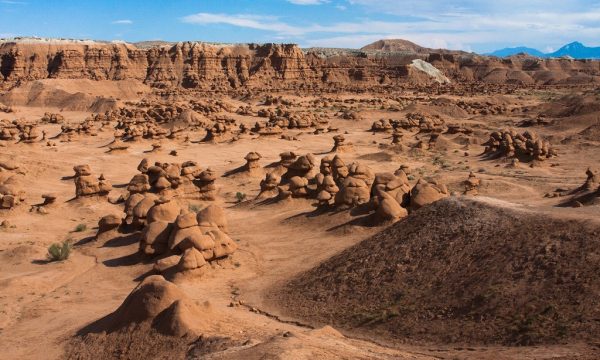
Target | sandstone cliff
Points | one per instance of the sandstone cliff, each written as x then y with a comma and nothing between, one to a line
222,67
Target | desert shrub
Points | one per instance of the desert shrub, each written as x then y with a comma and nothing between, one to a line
240,196
59,252
194,208
80,227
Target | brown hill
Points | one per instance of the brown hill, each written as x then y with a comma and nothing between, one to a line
461,271
396,45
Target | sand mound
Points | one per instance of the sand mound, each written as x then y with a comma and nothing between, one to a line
75,94
156,301
156,320
461,270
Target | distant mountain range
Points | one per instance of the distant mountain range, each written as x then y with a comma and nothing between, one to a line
576,50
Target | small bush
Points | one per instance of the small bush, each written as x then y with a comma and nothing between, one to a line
59,252
80,228
240,196
194,208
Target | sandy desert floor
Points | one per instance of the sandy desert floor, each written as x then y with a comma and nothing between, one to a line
45,307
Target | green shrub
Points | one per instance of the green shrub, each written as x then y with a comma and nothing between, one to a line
59,252
240,196
194,208
80,228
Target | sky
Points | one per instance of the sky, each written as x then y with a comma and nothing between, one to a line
470,25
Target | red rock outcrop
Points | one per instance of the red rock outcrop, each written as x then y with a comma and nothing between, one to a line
222,67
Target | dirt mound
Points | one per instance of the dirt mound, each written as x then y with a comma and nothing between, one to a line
155,301
157,320
461,271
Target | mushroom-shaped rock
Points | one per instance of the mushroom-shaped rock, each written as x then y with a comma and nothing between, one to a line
163,210
140,210
143,166
340,144
472,185
179,235
424,193
388,208
139,184
224,245
108,222
155,237
298,186
186,220
191,259
82,170
324,197
268,186
252,159
212,216
353,192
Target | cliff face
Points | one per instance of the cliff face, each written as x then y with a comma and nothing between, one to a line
204,66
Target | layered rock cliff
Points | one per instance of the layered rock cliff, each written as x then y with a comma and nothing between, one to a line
221,67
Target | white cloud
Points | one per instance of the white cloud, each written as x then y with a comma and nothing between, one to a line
308,2
456,25
12,2
123,22
257,22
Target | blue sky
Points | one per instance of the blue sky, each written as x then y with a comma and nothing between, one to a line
456,24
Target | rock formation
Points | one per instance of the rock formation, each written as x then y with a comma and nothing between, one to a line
340,144
205,66
88,185
527,146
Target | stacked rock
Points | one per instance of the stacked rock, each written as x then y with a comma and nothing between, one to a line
304,166
221,131
252,162
194,239
472,185
268,186
339,170
205,182
526,146
382,125
52,118
164,177
397,138
340,144
287,158
139,184
87,185
593,180
355,189
326,189
28,133
11,193
396,185
298,187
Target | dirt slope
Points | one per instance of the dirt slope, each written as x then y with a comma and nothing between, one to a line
461,271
